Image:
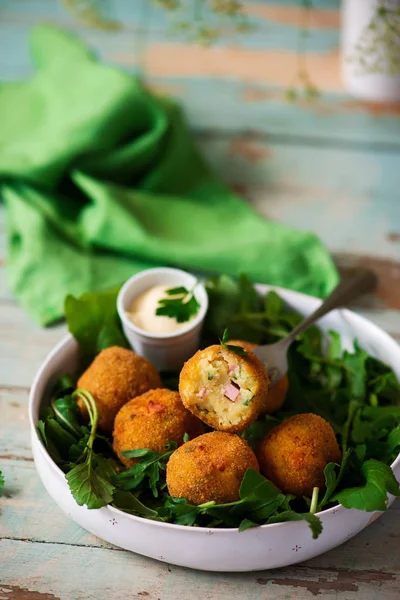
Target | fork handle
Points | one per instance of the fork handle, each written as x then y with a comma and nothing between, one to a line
350,288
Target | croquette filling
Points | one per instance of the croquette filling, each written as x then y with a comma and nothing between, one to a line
225,388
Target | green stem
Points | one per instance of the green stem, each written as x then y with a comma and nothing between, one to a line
212,503
207,504
91,406
314,501
353,407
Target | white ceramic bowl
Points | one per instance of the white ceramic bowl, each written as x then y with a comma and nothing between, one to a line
265,547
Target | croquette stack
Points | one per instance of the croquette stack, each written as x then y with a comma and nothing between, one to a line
223,390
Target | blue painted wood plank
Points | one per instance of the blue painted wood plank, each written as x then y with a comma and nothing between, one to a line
235,106
230,88
71,572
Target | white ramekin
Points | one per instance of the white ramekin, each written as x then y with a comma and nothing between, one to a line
167,351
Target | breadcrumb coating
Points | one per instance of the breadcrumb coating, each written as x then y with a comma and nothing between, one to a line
151,421
294,454
114,377
210,467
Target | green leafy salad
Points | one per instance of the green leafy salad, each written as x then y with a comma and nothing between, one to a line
356,394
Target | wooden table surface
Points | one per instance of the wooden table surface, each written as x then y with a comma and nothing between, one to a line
331,165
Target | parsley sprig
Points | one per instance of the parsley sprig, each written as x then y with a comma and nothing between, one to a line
232,348
181,306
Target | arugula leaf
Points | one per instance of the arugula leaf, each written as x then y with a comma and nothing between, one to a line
58,440
353,407
382,381
332,480
393,439
313,521
181,307
93,321
372,423
151,467
232,348
67,413
355,365
247,524
335,347
50,446
65,384
88,486
379,480
183,512
131,504
273,305
260,497
78,450
41,429
258,429
1,480
89,482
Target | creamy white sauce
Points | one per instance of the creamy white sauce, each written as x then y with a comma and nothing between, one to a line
143,311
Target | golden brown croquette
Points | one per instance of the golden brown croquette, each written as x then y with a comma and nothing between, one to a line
276,396
294,454
210,467
223,389
151,421
116,376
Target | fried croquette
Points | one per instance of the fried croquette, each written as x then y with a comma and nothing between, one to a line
276,396
116,376
294,454
210,467
151,421
223,389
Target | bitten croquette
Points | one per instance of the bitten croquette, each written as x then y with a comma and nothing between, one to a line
210,467
223,389
294,454
276,396
151,421
116,376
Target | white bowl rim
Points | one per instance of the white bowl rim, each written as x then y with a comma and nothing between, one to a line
68,338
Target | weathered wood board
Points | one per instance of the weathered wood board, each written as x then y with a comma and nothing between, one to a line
237,84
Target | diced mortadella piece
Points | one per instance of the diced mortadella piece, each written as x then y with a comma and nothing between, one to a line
155,407
202,392
231,392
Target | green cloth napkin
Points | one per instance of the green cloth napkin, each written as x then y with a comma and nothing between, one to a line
102,179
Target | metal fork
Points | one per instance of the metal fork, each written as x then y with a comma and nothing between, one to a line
274,356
